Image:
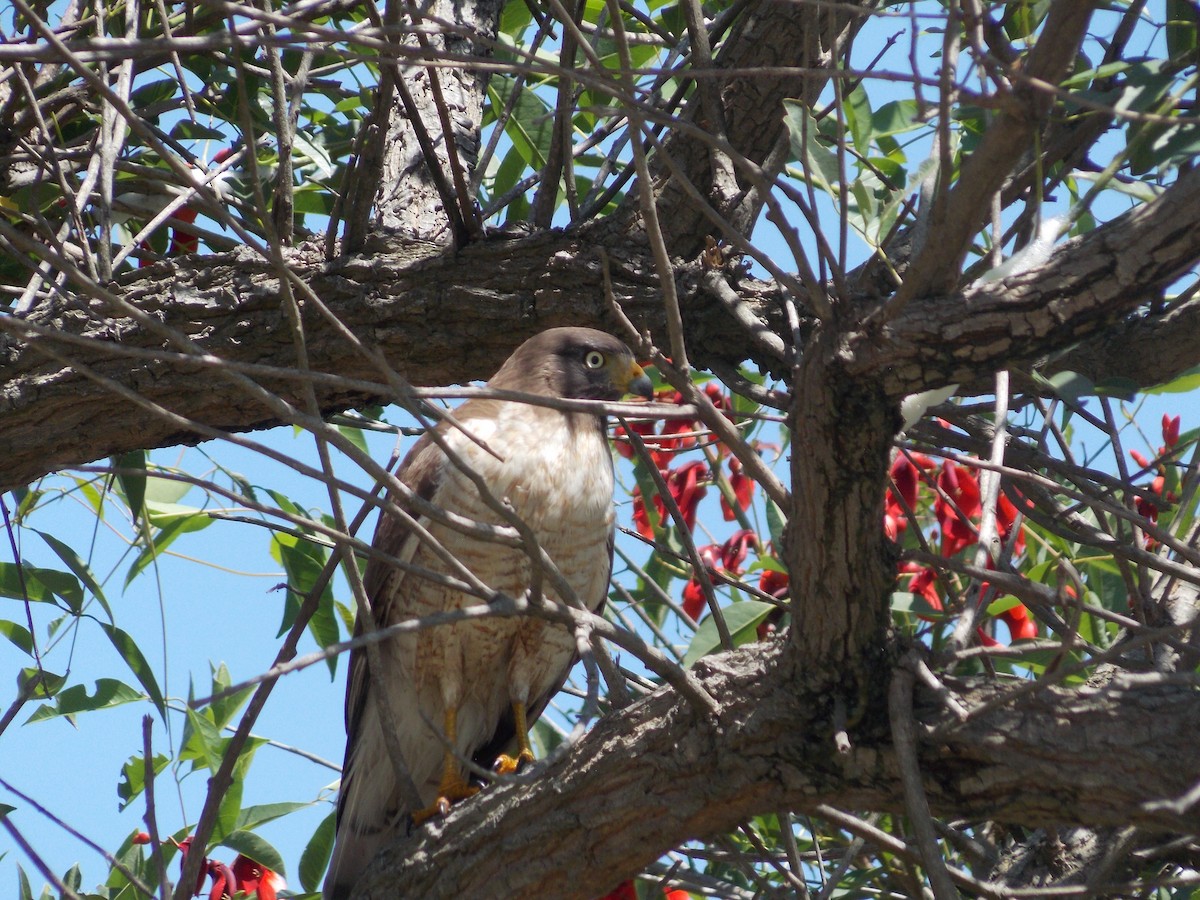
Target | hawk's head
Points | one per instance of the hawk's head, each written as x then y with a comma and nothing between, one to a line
576,364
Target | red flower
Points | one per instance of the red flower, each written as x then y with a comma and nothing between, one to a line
623,891
1140,459
182,240
684,484
141,838
904,486
718,397
224,884
957,484
1170,430
677,894
624,446
694,601
1006,516
1146,509
734,550
641,518
205,865
255,880
743,489
773,583
922,584
1020,625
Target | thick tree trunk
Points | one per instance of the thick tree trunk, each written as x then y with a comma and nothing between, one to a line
842,433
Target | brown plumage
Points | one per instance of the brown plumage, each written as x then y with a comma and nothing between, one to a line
476,679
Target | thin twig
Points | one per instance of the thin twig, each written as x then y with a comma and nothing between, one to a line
904,742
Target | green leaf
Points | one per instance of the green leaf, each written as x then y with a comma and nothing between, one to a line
253,816
109,693
1181,29
133,777
1068,385
165,490
776,524
18,635
187,130
315,858
48,684
742,620
202,741
173,520
858,118
79,567
252,845
896,117
154,93
26,582
514,19
917,604
132,480
531,125
818,162
132,654
223,710
303,562
228,811
355,436
1180,384
1021,18
1002,604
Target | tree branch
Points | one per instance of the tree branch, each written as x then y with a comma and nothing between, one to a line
653,776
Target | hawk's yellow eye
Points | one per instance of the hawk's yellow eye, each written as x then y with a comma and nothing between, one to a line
594,359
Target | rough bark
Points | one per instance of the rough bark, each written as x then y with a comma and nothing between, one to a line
655,774
443,317
769,34
841,576
406,194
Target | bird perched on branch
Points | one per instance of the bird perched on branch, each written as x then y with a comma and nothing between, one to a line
468,690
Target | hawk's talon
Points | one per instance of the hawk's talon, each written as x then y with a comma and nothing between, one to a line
447,797
510,765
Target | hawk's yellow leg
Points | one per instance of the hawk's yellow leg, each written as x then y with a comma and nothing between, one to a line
505,764
453,786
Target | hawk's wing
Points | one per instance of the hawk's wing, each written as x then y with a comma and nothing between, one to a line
369,811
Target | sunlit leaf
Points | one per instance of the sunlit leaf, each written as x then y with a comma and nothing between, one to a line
79,567
133,777
132,654
315,858
742,619
109,692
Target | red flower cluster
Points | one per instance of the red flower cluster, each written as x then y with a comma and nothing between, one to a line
1146,507
959,505
906,478
720,560
688,483
957,508
245,876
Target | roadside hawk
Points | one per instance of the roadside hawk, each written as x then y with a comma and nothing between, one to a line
475,685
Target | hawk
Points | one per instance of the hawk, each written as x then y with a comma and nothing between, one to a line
475,685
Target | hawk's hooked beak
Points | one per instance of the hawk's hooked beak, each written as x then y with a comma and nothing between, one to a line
633,380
